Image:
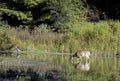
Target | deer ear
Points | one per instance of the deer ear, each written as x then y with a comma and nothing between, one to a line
75,52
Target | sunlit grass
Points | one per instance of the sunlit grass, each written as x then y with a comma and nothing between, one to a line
102,36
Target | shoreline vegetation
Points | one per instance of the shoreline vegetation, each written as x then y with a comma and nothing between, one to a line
101,37
58,26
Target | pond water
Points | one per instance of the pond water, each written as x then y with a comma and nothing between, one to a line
51,67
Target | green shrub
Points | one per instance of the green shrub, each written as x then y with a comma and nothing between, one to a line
5,42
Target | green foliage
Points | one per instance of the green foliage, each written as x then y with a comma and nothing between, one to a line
66,16
58,14
29,3
115,77
5,41
20,15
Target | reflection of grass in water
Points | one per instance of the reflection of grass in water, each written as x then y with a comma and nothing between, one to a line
103,68
100,69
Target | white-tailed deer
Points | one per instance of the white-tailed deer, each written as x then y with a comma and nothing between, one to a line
79,54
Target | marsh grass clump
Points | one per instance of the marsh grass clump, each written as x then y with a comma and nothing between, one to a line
115,77
96,36
5,42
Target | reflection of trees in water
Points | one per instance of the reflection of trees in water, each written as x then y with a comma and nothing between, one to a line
16,75
30,75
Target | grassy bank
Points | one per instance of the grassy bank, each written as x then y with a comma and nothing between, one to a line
103,36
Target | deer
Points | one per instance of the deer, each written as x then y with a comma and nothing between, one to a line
79,54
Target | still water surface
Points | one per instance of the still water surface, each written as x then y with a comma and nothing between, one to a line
44,67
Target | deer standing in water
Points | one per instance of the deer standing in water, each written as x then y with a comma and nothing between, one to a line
79,54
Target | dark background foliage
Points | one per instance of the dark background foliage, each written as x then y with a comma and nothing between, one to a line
56,13
111,8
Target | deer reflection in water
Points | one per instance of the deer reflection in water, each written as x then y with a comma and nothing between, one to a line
82,67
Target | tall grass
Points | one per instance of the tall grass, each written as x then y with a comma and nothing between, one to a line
103,36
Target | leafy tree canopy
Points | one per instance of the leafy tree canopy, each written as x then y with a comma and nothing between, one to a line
55,13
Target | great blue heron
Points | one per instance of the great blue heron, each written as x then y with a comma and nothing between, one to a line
18,50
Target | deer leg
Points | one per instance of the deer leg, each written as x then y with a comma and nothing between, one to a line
71,59
87,59
80,59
